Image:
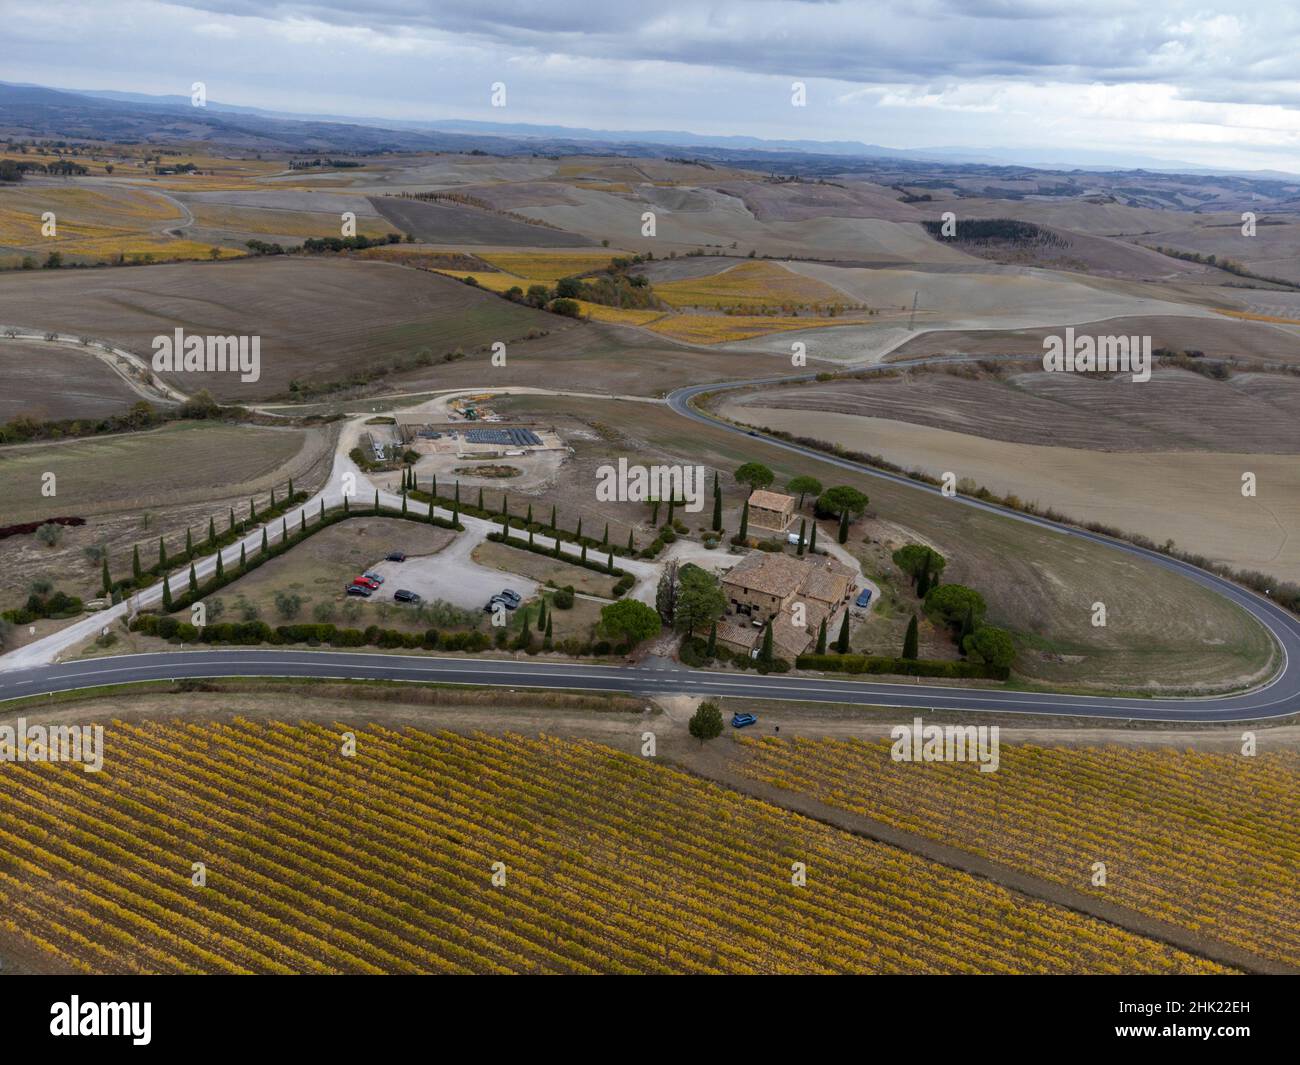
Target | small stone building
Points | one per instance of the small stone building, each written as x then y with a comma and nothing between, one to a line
771,510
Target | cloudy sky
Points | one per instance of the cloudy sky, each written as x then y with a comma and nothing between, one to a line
1209,83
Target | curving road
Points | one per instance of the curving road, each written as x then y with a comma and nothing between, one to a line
24,675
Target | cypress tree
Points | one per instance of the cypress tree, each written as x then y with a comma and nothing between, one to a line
530,514
243,557
557,546
212,535
480,497
842,644
812,539
553,525
135,561
654,513
455,513
107,580
541,613
609,562
458,492
189,544
322,508
194,581
717,508
433,485
910,640
272,507
345,504
578,535
162,553
584,556
429,516
631,544
290,489
604,540
252,510
264,543
765,653
302,520
844,527
376,500
712,649
221,570
505,503
231,526
672,502
803,524
167,594
284,532
821,638
744,522
403,504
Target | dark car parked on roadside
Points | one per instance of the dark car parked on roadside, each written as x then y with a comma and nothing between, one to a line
358,589
404,596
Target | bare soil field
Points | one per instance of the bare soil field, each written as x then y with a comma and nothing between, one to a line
1190,497
1163,632
134,488
1218,336
319,319
49,382
454,223
1176,410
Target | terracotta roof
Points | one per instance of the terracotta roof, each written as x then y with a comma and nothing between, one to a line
770,500
768,572
828,583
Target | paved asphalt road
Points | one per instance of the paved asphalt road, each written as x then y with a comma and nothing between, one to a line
1279,698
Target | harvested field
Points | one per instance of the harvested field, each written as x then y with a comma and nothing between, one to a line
454,223
1216,336
725,328
1176,410
1206,841
751,286
320,319
50,382
1190,497
549,266
384,862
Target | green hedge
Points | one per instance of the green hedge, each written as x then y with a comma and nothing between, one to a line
295,537
910,667
625,579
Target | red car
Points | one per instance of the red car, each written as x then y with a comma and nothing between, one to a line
366,582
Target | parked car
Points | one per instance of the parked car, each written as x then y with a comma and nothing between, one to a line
377,578
792,539
366,582
510,596
742,720
864,597
492,604
403,596
396,556
358,589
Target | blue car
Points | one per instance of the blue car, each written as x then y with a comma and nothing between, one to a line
864,597
741,720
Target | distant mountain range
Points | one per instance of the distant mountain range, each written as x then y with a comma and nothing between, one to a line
34,110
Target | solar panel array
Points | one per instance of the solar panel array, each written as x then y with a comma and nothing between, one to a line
512,437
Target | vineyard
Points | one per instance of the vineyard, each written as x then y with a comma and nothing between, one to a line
1207,841
384,862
